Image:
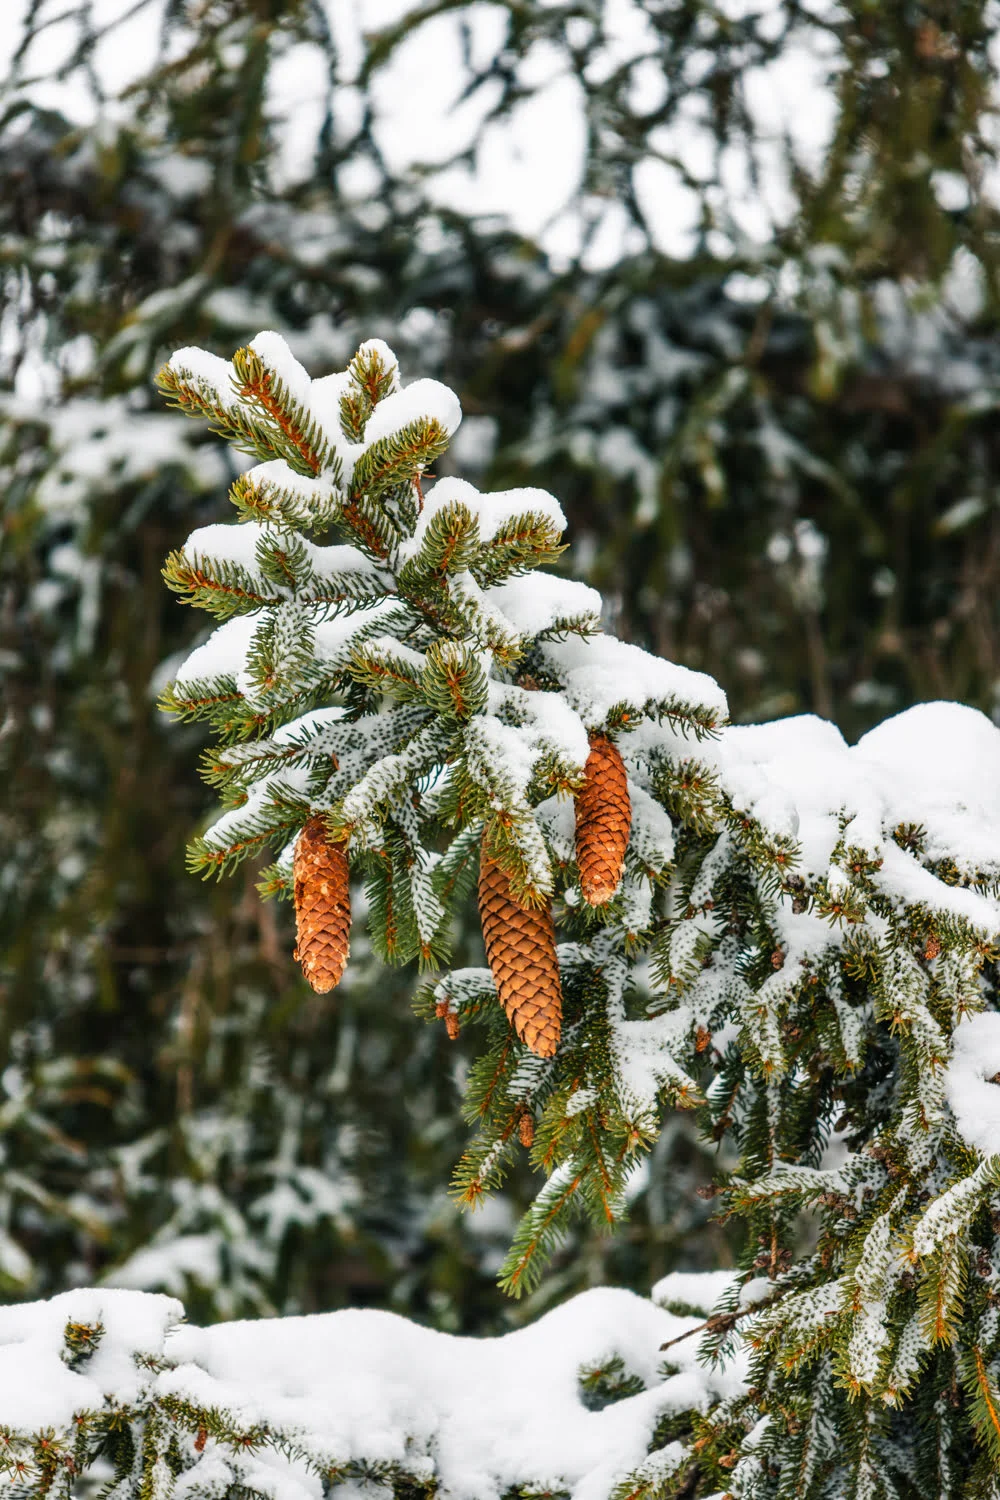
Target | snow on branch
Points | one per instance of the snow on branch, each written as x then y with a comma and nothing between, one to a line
571,1404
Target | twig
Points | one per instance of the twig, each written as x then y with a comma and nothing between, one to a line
726,1320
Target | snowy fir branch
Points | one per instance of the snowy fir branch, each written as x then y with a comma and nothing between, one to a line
796,939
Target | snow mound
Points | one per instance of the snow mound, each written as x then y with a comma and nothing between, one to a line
938,765
335,1390
934,769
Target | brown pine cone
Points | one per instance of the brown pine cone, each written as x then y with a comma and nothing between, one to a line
526,1129
603,821
521,952
451,1024
322,906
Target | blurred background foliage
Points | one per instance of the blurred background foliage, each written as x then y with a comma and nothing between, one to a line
774,435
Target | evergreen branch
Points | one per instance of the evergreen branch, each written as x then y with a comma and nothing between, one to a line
371,381
214,584
200,699
453,681
384,664
986,1405
448,545
940,1294
606,1187
791,1023
485,1102
261,500
565,625
225,418
397,458
457,869
301,442
520,544
207,856
723,1323
520,1269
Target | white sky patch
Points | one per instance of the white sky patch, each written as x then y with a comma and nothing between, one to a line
129,48
298,94
527,168
671,208
124,53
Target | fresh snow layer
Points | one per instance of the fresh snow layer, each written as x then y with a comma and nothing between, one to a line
972,1094
424,399
224,542
600,673
938,765
496,1413
276,474
497,509
699,1290
538,601
492,512
485,1415
37,1390
280,360
224,654
209,372
239,546
327,391
935,766
792,775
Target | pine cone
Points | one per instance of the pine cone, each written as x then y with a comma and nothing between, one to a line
521,952
322,906
603,821
451,1023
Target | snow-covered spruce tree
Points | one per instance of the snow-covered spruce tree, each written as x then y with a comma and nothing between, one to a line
764,483
759,923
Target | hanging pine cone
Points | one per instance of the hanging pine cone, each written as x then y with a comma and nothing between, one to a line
521,952
322,906
603,821
446,1014
526,1129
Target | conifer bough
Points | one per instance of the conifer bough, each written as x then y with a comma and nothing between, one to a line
803,934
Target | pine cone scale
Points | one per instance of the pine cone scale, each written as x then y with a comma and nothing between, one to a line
521,952
322,907
603,822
